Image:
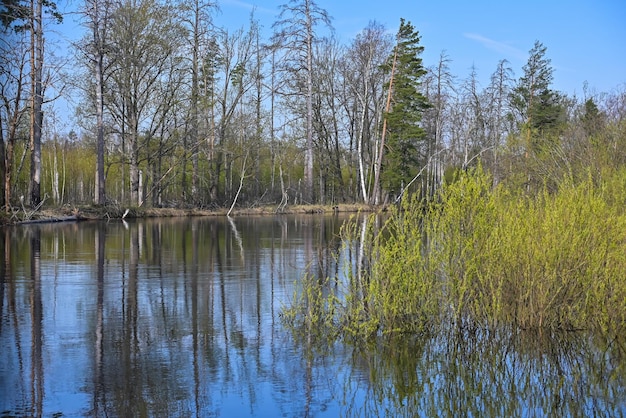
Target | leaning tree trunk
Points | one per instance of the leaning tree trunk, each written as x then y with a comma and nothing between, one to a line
376,195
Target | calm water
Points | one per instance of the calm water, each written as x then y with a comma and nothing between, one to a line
181,318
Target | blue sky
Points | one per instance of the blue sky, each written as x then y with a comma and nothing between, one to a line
585,39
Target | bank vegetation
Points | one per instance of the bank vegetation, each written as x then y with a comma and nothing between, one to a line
481,256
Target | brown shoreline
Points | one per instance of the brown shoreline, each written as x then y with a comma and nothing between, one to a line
73,214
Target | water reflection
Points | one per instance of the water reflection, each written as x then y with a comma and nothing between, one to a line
502,374
181,317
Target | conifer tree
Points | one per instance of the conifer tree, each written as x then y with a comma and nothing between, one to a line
538,106
592,119
405,141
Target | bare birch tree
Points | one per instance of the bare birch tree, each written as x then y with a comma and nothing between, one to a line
364,77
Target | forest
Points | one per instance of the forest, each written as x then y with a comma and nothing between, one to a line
177,112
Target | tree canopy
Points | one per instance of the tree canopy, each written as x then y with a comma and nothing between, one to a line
174,110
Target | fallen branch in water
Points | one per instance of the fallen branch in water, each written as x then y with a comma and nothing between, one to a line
49,220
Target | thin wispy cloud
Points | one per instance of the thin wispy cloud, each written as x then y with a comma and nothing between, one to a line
248,6
500,47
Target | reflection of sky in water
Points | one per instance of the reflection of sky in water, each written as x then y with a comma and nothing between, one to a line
194,329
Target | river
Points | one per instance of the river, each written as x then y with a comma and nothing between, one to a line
181,317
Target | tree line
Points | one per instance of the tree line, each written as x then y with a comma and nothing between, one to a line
176,111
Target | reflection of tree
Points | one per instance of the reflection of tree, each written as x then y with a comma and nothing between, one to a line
128,396
328,245
12,317
36,312
194,320
236,236
496,373
308,352
5,254
99,399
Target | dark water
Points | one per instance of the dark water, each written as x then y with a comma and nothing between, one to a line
181,318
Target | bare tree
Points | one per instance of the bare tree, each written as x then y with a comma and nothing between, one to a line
364,80
96,48
440,91
497,94
28,16
36,114
296,34
36,26
13,106
236,76
476,140
326,119
146,39
163,128
198,19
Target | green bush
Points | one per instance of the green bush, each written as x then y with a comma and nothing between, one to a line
485,257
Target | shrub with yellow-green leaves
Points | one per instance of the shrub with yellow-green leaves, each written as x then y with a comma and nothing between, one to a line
483,256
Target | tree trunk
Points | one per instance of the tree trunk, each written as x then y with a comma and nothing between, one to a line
308,151
7,175
99,195
134,168
2,169
376,194
195,139
36,118
98,13
55,173
359,142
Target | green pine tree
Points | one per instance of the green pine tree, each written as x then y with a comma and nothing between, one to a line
592,119
539,107
405,143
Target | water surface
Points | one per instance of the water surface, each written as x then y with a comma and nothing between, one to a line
181,318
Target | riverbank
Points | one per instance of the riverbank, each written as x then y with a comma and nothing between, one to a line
70,213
